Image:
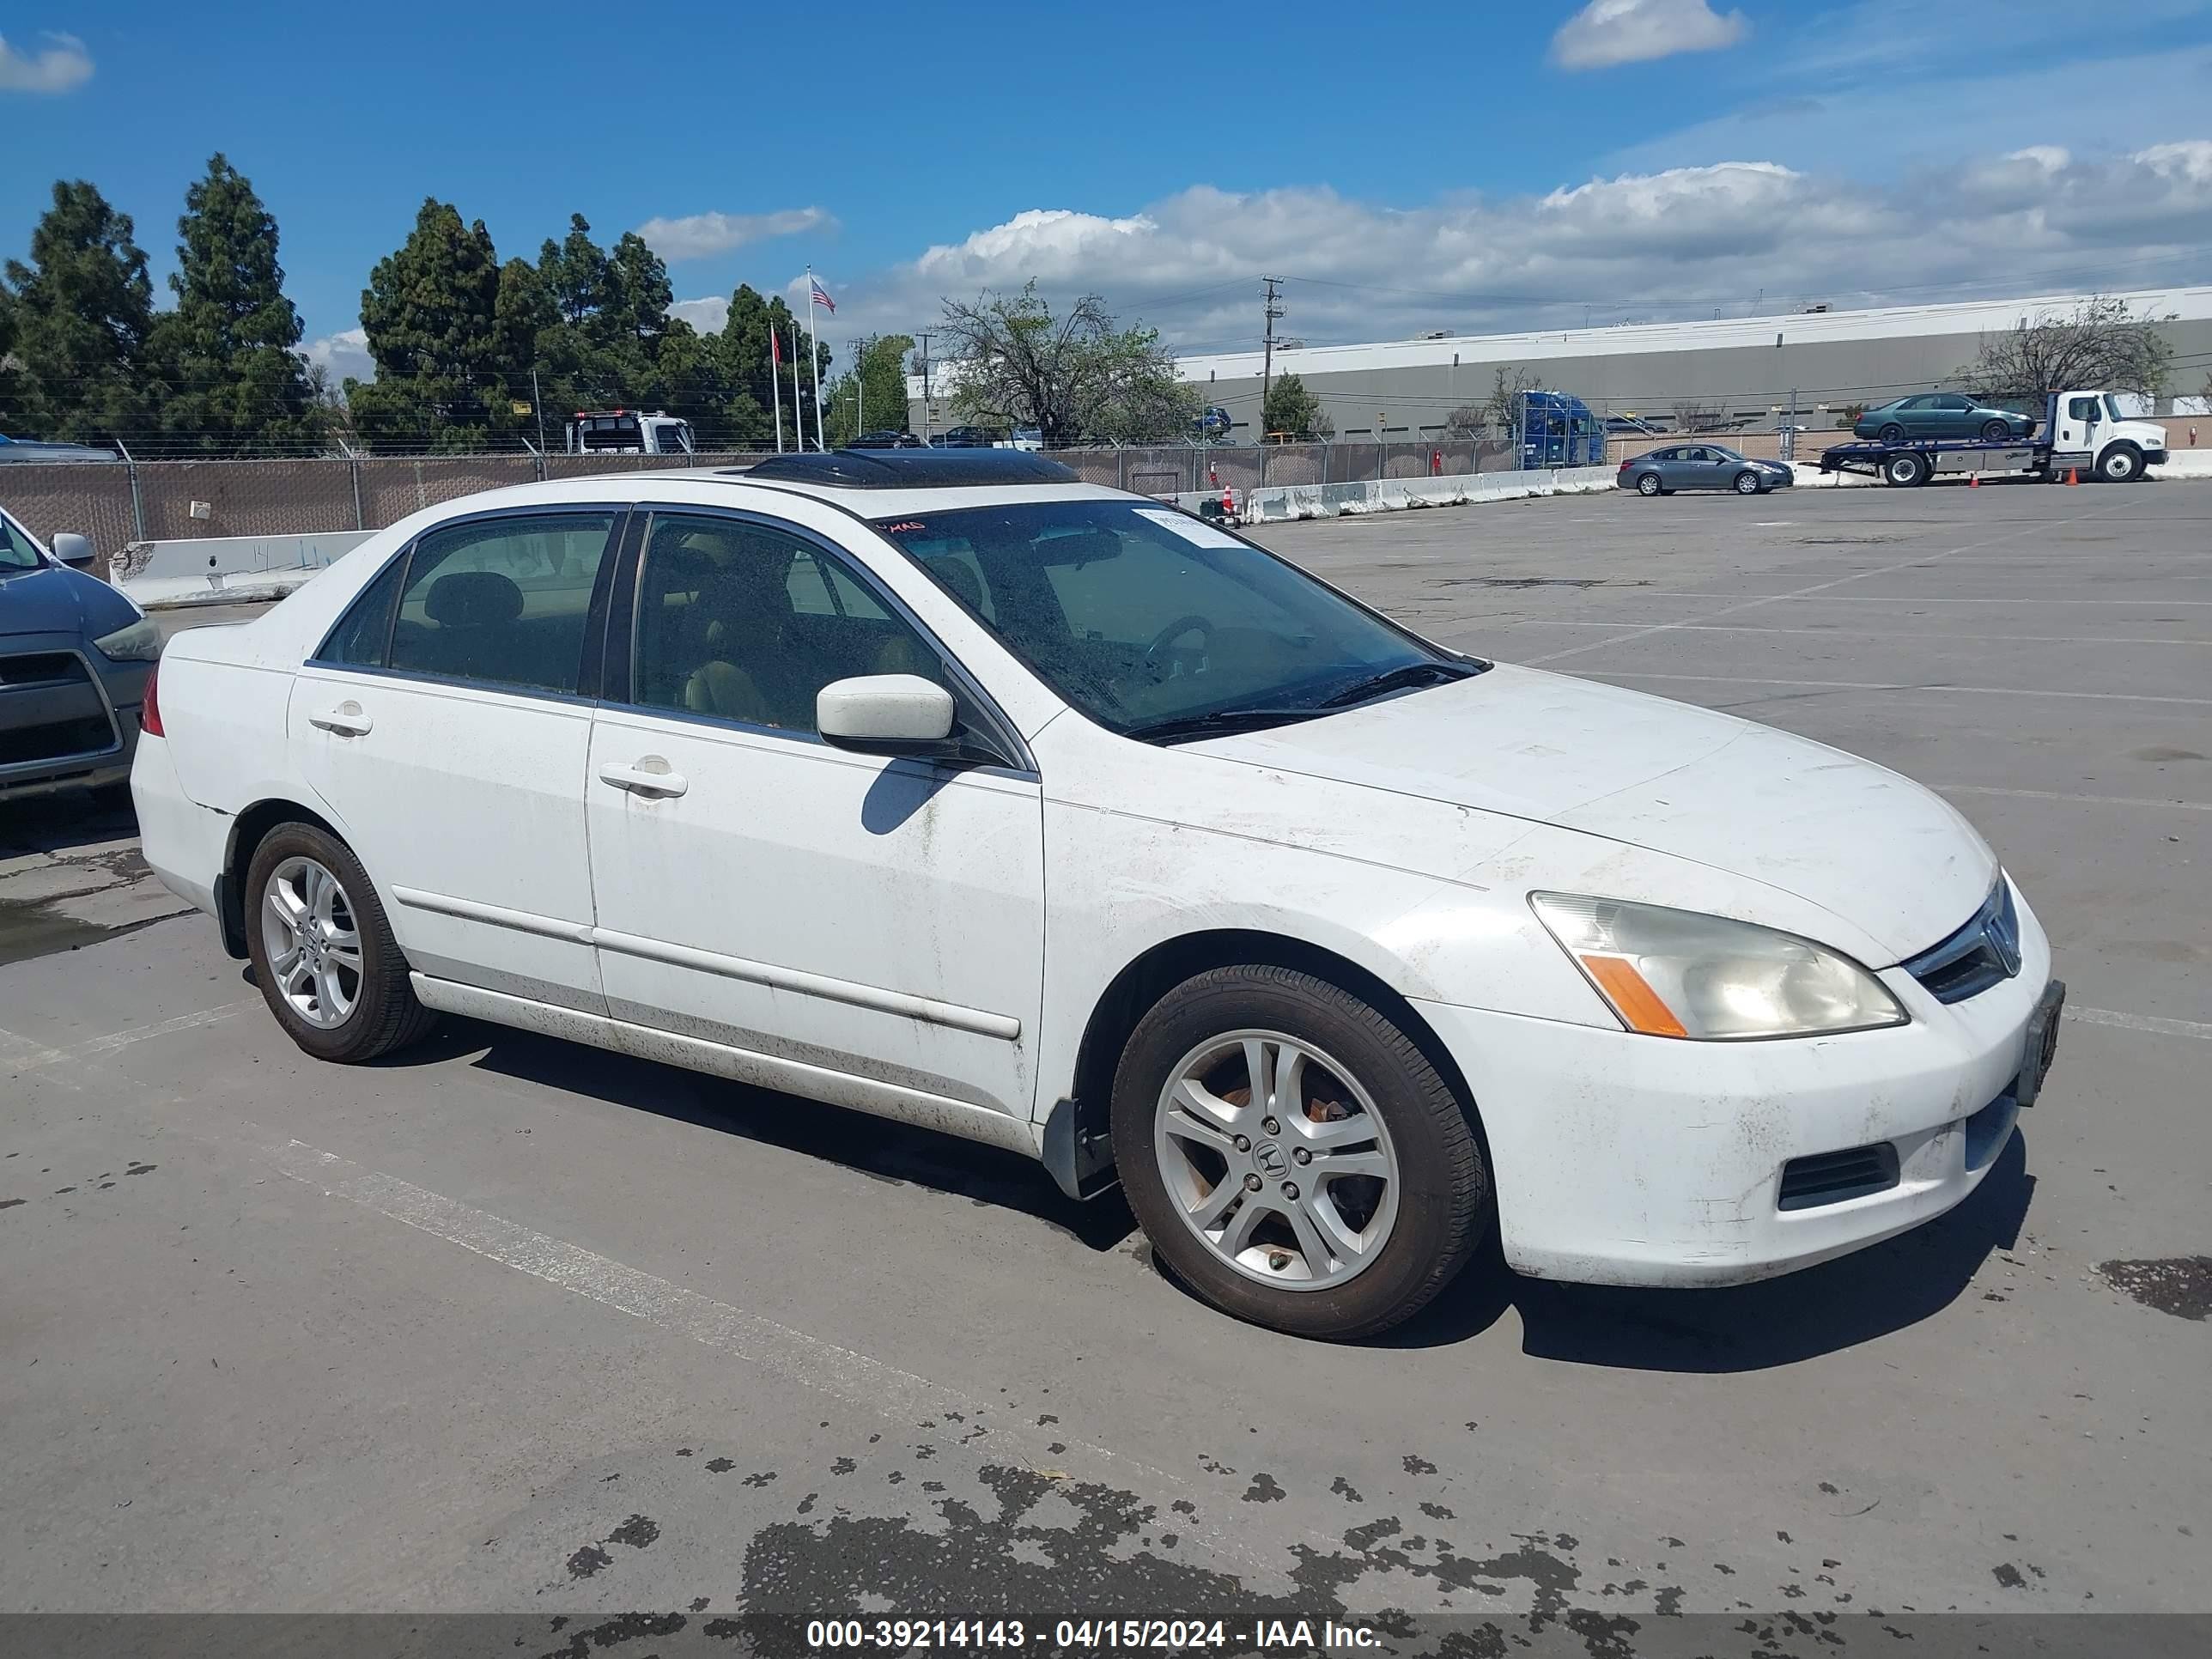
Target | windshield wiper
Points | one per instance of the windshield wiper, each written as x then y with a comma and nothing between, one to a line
1220,720
1398,679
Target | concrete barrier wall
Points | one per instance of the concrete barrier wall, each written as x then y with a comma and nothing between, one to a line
1277,503
226,569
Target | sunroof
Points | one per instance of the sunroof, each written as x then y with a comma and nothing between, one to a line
910,469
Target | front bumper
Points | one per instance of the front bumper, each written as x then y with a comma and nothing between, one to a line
1620,1159
2155,458
69,717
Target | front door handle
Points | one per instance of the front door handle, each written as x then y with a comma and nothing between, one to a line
650,777
346,720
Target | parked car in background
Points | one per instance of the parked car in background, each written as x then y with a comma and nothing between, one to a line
1701,467
967,437
1942,415
30,449
951,788
75,655
885,439
1030,439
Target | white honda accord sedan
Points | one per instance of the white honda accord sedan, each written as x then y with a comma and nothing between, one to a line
943,787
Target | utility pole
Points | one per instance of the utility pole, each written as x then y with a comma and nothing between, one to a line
924,388
1270,311
538,405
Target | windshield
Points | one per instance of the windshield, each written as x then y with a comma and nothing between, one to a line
2112,407
16,552
1148,619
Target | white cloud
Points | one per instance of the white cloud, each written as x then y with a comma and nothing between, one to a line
1668,244
344,355
698,235
707,315
62,65
1608,32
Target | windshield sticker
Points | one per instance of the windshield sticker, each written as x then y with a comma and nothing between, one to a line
1196,531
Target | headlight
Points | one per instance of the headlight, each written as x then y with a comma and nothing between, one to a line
1676,973
138,641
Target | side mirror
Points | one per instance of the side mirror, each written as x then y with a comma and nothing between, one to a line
886,714
73,549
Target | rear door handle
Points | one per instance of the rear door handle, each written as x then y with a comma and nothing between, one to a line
346,720
650,777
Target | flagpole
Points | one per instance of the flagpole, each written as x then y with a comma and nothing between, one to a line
814,355
775,381
798,404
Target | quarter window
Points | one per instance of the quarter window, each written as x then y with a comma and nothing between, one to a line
502,601
746,622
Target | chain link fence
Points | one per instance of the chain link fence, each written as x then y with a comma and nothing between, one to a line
118,503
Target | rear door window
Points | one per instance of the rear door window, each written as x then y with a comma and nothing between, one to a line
502,602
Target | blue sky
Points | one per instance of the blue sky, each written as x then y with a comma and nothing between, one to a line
1409,168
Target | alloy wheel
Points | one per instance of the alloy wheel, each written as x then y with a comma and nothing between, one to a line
313,941
1277,1160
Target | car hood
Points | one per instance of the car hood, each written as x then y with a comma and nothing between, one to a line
44,601
1894,858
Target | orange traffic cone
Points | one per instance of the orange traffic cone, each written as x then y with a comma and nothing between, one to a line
1974,481
2070,477
1228,502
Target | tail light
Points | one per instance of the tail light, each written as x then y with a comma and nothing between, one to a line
149,712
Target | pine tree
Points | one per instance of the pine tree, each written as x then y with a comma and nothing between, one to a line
431,312
230,347
81,312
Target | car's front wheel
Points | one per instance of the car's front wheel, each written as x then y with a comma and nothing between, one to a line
323,951
1747,482
1995,432
1293,1154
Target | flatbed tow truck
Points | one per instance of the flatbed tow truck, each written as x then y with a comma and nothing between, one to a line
2083,432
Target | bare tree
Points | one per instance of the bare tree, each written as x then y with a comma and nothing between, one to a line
1467,421
1075,376
1692,416
1501,410
2101,344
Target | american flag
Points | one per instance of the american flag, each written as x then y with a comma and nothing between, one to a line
821,296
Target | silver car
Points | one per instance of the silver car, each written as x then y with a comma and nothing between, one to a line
1702,466
75,655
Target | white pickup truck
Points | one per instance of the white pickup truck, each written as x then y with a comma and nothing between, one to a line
2083,431
628,432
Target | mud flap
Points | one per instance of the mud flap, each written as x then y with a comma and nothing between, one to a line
1079,1151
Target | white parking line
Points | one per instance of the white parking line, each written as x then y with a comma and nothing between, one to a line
20,1053
2180,1028
1924,559
1877,685
2089,800
1870,633
1899,598
896,1395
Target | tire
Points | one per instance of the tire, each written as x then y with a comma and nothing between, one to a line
1996,432
310,1000
1397,1239
1905,470
1892,434
2121,463
1746,483
1647,484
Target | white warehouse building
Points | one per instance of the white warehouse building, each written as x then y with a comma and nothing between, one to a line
1743,370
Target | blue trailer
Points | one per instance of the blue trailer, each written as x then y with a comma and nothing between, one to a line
1559,430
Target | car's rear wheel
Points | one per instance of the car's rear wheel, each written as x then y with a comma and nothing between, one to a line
1647,484
1907,468
323,951
1293,1154
1747,482
1995,432
1892,434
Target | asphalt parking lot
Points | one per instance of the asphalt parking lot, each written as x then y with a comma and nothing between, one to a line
509,1325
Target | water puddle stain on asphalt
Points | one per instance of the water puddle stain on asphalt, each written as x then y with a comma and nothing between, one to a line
2176,1284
